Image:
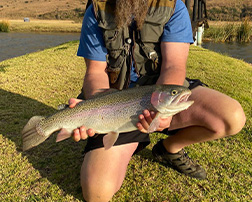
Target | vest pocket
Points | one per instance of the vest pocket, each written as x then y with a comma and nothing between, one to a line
114,67
112,39
151,33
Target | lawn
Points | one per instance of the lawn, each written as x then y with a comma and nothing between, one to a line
35,84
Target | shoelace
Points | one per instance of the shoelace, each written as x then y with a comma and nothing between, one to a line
185,159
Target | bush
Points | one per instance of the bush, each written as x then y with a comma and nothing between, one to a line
4,26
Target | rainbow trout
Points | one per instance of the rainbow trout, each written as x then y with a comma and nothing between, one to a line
109,113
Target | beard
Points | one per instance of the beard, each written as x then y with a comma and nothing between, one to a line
126,10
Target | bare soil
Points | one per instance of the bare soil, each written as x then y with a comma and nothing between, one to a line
42,9
226,10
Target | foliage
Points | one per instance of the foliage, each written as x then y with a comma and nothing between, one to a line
35,84
4,26
244,32
230,32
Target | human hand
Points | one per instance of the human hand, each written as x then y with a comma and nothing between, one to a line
80,133
147,117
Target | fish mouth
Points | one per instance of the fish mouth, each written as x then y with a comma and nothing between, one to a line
182,99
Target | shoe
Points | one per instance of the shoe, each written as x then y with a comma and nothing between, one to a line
180,161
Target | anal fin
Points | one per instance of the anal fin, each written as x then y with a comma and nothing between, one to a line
63,134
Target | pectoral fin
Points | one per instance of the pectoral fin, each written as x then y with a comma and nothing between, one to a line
110,139
154,125
156,122
63,134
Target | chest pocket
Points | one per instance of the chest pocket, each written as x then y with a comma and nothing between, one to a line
154,24
117,57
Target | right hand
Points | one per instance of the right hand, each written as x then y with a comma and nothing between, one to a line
80,133
147,117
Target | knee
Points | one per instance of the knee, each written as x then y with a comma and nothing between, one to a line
96,193
234,120
238,120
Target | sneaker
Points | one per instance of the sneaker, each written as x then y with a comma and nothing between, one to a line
179,161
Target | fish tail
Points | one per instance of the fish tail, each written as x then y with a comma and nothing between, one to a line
30,135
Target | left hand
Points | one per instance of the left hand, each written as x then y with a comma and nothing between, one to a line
146,118
80,133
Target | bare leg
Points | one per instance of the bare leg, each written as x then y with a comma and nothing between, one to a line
103,171
212,116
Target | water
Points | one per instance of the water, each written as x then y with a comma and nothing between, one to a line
237,50
17,44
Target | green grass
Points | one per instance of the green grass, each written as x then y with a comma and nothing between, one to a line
34,84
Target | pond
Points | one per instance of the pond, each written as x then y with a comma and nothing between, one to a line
17,44
237,50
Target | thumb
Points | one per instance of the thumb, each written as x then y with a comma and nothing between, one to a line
73,102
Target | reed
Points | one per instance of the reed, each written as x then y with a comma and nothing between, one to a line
230,32
224,33
244,31
4,26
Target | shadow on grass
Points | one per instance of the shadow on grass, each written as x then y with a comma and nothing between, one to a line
58,162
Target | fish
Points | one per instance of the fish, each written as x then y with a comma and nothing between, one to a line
109,113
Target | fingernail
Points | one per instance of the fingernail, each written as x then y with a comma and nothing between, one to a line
146,113
152,113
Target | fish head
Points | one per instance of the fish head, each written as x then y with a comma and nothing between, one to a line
171,99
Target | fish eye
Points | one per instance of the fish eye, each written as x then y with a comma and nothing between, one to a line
174,92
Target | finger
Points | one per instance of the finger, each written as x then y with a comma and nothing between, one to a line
160,129
83,133
147,116
165,123
76,135
73,101
153,114
141,128
143,122
90,132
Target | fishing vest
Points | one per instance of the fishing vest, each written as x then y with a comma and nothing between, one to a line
126,45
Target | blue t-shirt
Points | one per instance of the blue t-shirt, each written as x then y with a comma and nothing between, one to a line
178,29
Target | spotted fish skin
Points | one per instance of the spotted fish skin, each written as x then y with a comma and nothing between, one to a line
111,113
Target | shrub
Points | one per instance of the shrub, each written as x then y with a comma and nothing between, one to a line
4,26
